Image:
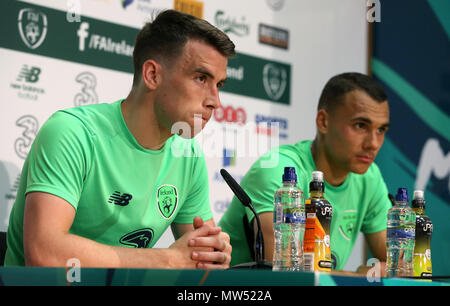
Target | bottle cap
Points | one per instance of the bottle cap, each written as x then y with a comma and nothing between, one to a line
402,195
317,183
317,176
289,175
418,194
418,199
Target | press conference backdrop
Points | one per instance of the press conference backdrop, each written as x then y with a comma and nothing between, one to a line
411,58
60,54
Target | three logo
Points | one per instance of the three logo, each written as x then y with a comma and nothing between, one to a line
88,94
30,127
140,238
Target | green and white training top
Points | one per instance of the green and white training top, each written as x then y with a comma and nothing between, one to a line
123,194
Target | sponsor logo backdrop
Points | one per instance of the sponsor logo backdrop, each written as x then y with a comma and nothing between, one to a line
61,54
415,70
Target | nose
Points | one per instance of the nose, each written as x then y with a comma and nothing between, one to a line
373,141
213,99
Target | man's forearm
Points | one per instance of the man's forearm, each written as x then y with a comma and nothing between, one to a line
62,247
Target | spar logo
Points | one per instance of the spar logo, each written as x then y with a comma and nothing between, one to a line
32,27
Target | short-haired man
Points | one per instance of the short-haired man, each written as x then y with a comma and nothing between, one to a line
101,182
352,119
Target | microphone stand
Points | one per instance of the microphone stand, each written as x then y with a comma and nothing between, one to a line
259,262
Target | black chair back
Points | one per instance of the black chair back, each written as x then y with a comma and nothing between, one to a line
2,247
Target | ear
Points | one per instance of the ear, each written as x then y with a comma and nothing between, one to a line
151,74
322,121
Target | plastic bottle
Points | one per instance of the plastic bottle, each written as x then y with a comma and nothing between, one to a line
400,236
319,212
288,224
424,229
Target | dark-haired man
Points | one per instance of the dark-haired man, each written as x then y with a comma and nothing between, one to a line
102,182
352,119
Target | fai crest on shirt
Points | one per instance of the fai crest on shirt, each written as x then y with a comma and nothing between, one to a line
167,198
348,223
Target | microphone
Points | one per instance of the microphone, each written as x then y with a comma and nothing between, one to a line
247,202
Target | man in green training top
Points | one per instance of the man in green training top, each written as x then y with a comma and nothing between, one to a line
102,182
352,119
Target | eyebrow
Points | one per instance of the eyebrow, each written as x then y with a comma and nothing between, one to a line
368,121
205,71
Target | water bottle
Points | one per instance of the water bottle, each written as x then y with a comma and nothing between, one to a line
319,212
400,237
424,229
288,224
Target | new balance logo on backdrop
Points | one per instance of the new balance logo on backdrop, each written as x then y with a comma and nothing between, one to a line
120,199
29,74
26,81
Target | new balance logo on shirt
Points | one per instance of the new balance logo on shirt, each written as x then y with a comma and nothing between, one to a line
120,199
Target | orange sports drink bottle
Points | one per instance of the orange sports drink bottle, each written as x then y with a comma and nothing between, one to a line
316,243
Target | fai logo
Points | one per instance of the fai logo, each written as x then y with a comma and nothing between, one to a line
348,223
139,238
32,27
276,5
120,199
88,95
167,198
274,80
30,128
